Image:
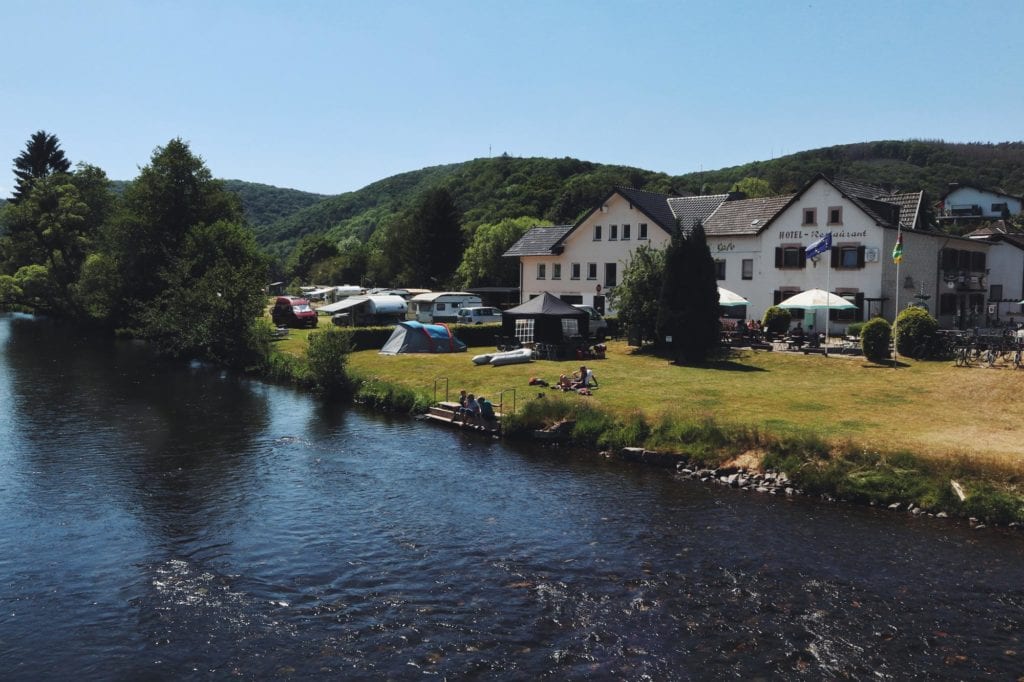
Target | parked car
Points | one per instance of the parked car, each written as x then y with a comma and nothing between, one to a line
477,315
597,325
290,311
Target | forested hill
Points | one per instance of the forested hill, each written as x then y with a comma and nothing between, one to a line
558,190
553,190
266,204
908,165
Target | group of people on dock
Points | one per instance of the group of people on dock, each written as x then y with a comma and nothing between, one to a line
476,411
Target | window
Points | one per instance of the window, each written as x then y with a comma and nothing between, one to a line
574,271
439,307
835,215
542,270
999,208
996,292
591,270
810,216
849,314
748,268
978,261
597,233
610,273
524,330
848,256
570,327
641,231
719,269
625,233
556,271
790,257
613,233
947,304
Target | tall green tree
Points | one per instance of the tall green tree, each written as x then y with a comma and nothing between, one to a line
637,297
41,158
482,262
172,194
689,297
431,240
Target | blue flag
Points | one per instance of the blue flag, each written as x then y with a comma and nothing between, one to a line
821,246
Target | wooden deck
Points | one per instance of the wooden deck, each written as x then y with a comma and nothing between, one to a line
444,411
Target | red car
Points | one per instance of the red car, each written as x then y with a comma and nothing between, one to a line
290,311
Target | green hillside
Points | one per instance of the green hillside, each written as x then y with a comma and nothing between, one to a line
265,204
559,190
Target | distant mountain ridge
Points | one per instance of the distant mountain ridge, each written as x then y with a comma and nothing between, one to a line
557,191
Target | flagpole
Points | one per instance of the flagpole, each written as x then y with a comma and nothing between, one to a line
828,280
896,313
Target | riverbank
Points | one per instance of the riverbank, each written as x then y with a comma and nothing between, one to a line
839,426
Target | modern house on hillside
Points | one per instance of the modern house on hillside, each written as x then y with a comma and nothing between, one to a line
964,203
758,246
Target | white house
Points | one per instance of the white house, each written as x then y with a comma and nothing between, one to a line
963,202
1005,270
580,263
759,244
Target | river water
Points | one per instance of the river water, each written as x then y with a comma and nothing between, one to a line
168,522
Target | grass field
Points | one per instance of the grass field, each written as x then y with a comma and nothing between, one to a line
930,408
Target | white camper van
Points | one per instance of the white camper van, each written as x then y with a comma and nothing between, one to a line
442,306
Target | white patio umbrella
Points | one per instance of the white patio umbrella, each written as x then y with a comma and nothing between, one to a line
730,298
817,299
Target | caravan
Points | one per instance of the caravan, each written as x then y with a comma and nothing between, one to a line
442,306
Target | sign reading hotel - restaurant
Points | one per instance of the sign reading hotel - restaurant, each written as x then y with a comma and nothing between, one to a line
818,234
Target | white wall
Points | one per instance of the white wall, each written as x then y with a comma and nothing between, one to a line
972,196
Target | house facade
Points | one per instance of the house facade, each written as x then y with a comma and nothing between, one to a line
759,246
964,203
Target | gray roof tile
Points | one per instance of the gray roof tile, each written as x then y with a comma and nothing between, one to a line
744,216
689,210
538,241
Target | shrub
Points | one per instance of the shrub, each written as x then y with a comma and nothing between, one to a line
915,329
776,320
874,339
854,329
327,355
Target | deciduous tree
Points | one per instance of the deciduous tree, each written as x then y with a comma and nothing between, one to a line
482,262
637,297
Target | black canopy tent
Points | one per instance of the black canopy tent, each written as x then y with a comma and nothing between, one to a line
547,312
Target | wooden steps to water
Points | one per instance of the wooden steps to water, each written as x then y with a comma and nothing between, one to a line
444,411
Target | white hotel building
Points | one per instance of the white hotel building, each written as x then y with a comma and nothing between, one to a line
758,245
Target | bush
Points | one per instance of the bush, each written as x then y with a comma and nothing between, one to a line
327,355
915,329
776,320
854,329
874,339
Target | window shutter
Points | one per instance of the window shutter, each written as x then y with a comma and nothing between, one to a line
861,250
859,302
776,295
835,256
778,259
803,259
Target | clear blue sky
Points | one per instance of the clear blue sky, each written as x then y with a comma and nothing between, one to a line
331,96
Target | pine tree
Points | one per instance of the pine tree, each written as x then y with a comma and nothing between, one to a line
689,298
41,158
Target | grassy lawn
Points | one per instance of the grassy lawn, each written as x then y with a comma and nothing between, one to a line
931,408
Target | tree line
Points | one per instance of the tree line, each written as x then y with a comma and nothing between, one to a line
169,260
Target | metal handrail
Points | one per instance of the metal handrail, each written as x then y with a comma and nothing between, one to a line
445,380
501,400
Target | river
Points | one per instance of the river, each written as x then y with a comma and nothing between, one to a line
167,521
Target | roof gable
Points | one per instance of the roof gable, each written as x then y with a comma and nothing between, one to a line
538,241
651,204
